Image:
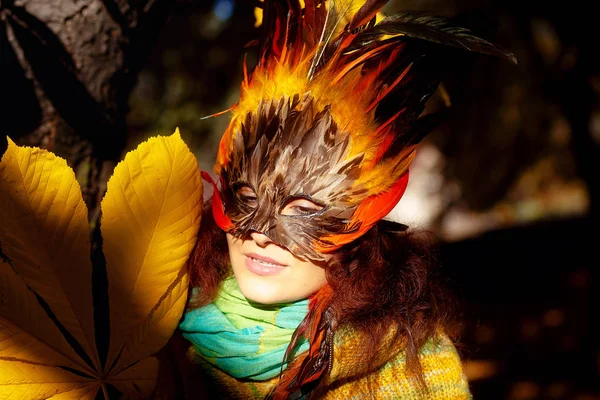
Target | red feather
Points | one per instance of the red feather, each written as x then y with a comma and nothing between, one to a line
218,210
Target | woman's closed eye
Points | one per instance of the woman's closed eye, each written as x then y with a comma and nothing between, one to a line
247,196
300,206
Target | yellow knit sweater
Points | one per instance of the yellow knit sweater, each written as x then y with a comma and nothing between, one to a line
439,360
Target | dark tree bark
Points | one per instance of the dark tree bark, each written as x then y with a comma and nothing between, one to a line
67,68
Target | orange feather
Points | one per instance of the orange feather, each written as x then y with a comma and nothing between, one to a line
368,212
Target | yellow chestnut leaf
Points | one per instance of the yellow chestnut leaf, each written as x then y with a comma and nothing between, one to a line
20,307
87,392
150,219
29,369
44,232
151,216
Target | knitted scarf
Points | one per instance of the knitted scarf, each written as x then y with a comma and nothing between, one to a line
246,340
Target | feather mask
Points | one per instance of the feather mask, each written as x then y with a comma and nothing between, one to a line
331,114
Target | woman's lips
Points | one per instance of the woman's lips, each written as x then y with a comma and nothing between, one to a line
261,265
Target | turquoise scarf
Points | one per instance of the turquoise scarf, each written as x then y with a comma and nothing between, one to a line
246,340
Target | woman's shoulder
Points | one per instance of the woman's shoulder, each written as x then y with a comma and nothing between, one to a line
442,373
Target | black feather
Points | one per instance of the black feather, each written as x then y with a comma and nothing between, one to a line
430,28
419,128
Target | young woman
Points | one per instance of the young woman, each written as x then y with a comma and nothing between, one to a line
301,290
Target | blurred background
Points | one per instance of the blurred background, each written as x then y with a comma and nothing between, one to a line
510,183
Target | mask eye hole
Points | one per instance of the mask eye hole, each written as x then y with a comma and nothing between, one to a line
247,196
300,206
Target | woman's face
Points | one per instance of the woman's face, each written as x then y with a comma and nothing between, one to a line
268,274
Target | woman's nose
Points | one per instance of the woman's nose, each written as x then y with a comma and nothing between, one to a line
260,238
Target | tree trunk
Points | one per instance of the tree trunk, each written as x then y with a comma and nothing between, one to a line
67,68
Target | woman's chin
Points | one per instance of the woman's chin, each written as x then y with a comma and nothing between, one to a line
255,289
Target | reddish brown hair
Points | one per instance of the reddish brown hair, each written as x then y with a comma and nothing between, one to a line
209,262
386,278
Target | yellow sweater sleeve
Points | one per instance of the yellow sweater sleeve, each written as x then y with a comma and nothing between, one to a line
442,371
